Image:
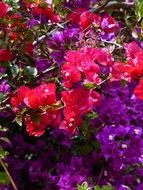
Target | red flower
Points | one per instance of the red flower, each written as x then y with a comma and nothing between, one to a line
133,69
109,24
104,57
91,72
70,74
41,96
49,91
14,101
29,48
134,54
42,100
47,12
71,129
132,49
33,128
4,8
138,91
23,92
83,60
51,118
14,23
77,103
135,72
87,18
31,100
37,11
119,71
74,17
95,98
5,55
37,125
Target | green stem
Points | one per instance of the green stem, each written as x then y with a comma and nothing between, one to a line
8,175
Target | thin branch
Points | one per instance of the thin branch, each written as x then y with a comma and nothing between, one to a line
100,6
113,5
49,33
8,175
117,5
114,43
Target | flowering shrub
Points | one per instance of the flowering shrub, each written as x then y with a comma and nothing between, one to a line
71,95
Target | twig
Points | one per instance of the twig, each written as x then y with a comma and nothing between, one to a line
117,5
100,175
8,175
114,43
43,37
110,76
100,7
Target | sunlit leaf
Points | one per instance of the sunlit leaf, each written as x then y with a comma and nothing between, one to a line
4,179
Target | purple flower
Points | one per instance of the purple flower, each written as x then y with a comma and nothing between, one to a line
58,56
62,137
68,176
118,144
42,64
71,33
4,86
33,22
58,37
2,70
109,28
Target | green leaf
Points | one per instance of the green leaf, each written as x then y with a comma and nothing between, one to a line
83,186
105,187
139,9
2,97
86,149
36,118
3,153
96,144
31,72
14,71
97,188
123,82
5,64
4,179
56,2
92,115
18,120
89,85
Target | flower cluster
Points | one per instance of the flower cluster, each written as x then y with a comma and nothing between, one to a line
83,62
39,107
42,104
71,74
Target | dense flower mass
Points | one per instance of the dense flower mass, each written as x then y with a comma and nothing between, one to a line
71,95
